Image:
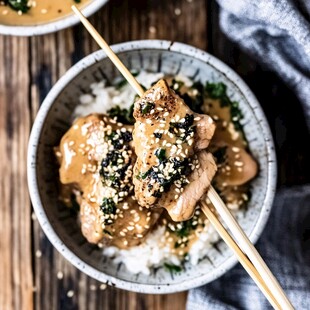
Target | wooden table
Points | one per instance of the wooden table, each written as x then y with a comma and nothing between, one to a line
32,273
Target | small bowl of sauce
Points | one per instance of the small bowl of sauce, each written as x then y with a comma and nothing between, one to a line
36,17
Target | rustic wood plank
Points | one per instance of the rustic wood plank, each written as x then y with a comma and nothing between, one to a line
52,56
15,229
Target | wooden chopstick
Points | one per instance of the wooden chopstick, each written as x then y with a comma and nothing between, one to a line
243,259
220,206
104,45
248,248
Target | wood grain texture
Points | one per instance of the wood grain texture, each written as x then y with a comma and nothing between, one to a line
33,274
15,229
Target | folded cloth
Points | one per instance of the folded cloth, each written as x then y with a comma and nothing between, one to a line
277,33
285,247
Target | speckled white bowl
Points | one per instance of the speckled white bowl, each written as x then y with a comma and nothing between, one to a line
53,26
53,120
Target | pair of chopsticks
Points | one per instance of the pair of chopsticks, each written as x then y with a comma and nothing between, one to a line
244,249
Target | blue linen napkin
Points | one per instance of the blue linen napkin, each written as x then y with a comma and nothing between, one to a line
276,33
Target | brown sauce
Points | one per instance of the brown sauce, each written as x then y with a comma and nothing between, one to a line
231,180
44,11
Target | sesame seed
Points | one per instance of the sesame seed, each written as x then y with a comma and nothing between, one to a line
177,11
60,275
70,294
33,216
152,29
238,163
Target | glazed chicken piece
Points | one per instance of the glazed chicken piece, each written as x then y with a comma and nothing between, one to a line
96,158
172,169
181,208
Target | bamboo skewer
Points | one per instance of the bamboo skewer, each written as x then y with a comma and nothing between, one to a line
104,45
262,273
245,262
248,248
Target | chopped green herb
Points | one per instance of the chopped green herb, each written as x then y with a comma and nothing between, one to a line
173,268
124,116
236,115
107,232
186,228
187,125
189,121
180,169
108,207
195,100
146,107
18,5
160,154
143,175
110,176
158,135
123,82
220,155
218,91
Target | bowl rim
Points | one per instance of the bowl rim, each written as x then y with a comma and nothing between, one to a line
35,135
52,26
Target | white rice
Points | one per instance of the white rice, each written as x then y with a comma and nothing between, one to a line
103,98
154,251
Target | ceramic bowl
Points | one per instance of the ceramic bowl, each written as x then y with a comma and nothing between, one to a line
52,122
53,26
